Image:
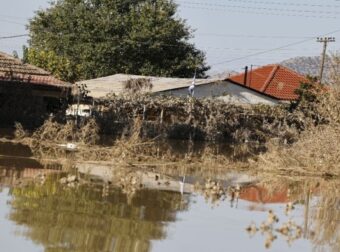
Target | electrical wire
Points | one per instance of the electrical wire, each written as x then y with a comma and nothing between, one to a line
11,22
14,36
255,12
271,50
13,17
253,36
285,4
260,8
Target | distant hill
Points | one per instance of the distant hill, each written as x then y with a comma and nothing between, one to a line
302,65
307,65
223,75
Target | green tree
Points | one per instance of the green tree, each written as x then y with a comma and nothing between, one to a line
103,37
60,66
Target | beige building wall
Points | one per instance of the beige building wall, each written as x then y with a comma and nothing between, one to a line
226,91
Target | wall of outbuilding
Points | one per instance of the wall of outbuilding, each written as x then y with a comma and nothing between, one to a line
226,91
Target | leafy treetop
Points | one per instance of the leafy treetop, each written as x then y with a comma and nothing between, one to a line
83,39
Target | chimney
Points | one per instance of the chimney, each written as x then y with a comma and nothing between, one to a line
245,75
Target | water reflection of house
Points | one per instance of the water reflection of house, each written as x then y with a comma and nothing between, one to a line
82,219
149,180
158,181
11,176
260,194
28,92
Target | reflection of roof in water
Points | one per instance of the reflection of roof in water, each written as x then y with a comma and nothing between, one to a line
262,195
84,220
11,175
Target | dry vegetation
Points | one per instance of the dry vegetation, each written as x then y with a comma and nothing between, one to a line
137,85
321,224
317,150
299,138
197,119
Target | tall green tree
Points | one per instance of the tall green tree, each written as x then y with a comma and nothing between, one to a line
103,37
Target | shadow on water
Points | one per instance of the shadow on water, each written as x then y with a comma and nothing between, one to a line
17,156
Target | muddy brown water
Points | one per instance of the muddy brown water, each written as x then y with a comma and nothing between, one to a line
160,211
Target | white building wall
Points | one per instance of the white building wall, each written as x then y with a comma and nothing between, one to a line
226,91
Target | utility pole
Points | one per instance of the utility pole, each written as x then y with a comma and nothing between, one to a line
325,41
251,74
245,75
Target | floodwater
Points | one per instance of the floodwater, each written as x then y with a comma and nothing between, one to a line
98,207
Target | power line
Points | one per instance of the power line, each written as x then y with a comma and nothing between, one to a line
254,36
161,44
205,48
257,13
249,11
14,17
261,8
271,50
210,48
14,36
11,22
285,4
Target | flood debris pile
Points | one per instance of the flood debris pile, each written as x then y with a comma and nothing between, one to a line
319,199
197,119
52,131
317,149
139,126
271,228
19,133
215,192
130,184
70,180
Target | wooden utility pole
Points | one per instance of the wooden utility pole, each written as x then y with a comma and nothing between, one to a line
251,74
325,41
245,75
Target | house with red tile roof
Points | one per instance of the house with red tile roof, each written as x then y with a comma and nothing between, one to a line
28,93
275,81
13,72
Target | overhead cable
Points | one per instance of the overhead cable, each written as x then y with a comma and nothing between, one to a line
273,49
14,36
280,3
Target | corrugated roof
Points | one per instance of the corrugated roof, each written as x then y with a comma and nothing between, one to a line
273,80
12,69
100,87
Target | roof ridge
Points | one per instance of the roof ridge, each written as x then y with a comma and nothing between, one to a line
291,70
41,71
270,77
252,71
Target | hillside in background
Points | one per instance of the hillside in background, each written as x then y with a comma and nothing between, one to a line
307,65
223,75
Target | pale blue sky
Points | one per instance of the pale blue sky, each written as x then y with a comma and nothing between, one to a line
224,29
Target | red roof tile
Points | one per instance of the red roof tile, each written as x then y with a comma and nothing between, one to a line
12,69
273,80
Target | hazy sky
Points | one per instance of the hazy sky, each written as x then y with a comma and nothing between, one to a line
225,29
